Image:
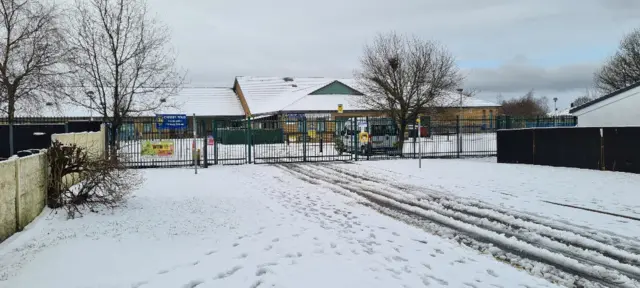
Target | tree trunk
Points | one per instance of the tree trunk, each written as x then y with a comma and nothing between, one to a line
113,141
11,101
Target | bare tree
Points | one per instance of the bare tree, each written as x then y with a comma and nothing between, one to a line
121,61
32,52
588,96
403,77
526,106
581,100
623,68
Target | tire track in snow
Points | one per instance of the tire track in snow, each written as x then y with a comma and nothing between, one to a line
527,225
561,256
610,240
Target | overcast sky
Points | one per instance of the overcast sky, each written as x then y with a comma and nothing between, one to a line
503,46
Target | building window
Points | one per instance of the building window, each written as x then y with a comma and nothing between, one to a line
321,126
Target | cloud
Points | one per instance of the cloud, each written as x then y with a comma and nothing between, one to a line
507,46
522,75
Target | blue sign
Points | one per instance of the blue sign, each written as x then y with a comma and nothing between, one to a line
171,121
296,116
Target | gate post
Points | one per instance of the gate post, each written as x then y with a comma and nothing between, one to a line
248,131
369,131
215,142
356,131
458,136
205,145
304,139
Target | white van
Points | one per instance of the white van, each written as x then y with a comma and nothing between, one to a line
372,136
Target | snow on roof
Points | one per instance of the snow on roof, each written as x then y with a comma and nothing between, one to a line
270,94
207,102
273,94
325,103
564,112
452,99
199,100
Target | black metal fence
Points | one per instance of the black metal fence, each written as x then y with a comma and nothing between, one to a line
307,139
35,133
140,143
613,149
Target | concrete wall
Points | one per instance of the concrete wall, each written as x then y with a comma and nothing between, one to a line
23,191
94,142
8,188
23,182
619,110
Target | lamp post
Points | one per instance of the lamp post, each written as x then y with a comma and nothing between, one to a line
460,92
458,124
555,100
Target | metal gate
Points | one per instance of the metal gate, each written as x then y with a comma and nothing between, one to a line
226,142
298,140
140,145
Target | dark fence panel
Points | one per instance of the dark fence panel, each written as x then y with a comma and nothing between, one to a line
83,126
515,146
35,133
613,149
567,147
621,149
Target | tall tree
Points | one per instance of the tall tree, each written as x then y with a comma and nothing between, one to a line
525,106
31,53
589,95
121,61
623,68
404,76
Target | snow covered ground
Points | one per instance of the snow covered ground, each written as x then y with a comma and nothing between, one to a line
245,226
525,187
551,247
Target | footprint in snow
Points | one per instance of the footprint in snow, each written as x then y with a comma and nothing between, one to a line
492,273
193,284
210,252
440,281
269,247
256,284
163,271
235,244
242,256
275,240
227,273
261,271
138,284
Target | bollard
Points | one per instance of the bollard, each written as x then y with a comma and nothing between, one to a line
198,157
321,144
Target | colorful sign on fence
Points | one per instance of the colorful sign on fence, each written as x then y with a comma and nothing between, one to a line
171,121
157,148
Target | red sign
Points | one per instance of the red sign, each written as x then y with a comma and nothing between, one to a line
210,140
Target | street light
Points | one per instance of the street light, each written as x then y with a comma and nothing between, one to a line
458,124
460,92
555,100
